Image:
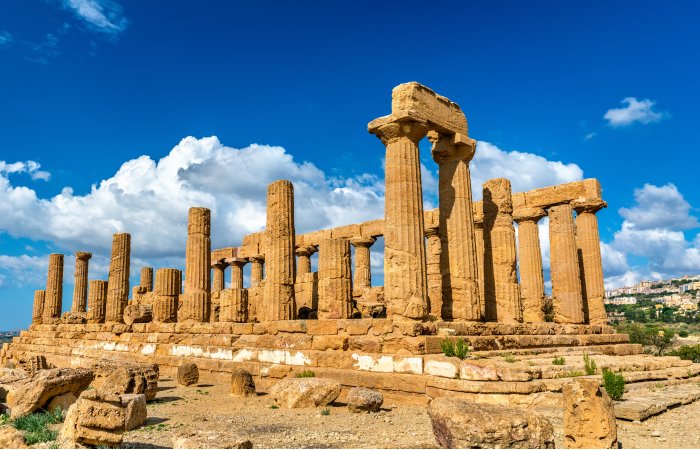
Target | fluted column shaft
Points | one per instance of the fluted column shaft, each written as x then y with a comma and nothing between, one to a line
197,298
146,279
590,260
304,253
334,279
97,301
564,267
362,275
256,270
80,286
38,309
219,281
530,264
278,296
54,289
500,278
460,275
118,283
478,209
167,291
405,271
433,251
237,274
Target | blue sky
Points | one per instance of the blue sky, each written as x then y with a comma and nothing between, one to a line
118,115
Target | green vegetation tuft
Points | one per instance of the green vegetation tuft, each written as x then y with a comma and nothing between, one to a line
36,426
683,333
571,374
507,357
614,384
325,412
688,352
306,374
274,407
559,361
589,364
458,348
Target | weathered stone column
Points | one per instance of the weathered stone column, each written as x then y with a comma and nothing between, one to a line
234,305
237,273
219,281
563,261
118,283
167,290
80,286
54,289
530,263
405,271
500,278
38,309
97,301
362,276
590,260
334,279
147,279
478,209
197,298
304,253
278,297
256,270
433,251
460,275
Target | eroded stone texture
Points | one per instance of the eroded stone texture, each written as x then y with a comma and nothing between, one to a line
460,284
167,290
502,294
278,297
564,267
362,276
219,280
38,308
530,263
334,282
118,283
80,287
405,271
147,279
304,392
363,399
242,383
589,416
433,250
256,270
138,313
187,374
478,210
590,261
233,305
31,394
197,297
54,289
97,301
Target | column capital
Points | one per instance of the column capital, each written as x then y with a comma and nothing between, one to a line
305,250
455,147
84,256
432,231
221,265
257,259
528,214
588,205
390,128
363,241
238,262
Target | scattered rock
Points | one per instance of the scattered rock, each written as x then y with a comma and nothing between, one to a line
125,380
462,424
34,363
11,375
242,384
203,439
36,392
656,433
362,399
305,392
104,368
187,374
74,317
138,313
589,418
11,438
62,402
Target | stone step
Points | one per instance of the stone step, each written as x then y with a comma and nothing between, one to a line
599,349
641,404
499,329
511,342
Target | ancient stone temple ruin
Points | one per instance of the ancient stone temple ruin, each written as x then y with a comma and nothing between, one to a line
453,273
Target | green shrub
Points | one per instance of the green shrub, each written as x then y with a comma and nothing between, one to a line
325,412
683,333
459,348
571,374
559,361
688,352
507,357
35,426
589,364
306,374
274,407
614,384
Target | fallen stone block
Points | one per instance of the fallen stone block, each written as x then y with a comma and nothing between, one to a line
201,439
589,417
31,394
242,383
138,313
362,399
11,438
305,392
187,374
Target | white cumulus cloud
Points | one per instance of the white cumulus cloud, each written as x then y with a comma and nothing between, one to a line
641,111
101,15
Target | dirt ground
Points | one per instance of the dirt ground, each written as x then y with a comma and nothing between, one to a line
209,408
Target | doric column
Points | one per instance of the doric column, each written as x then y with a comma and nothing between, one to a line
530,263
334,279
500,277
278,297
362,276
460,275
588,244
80,286
256,269
405,272
237,273
54,289
304,253
167,290
38,309
197,298
478,209
433,252
118,283
219,281
97,301
146,279
563,261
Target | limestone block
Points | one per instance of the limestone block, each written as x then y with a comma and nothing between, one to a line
233,305
242,384
167,290
209,439
559,194
363,399
334,282
304,392
421,102
589,417
97,301
138,313
187,374
31,394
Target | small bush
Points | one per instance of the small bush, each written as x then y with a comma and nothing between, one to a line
274,407
683,333
35,426
614,384
306,374
559,361
4,419
688,352
508,358
459,348
589,364
571,374
325,412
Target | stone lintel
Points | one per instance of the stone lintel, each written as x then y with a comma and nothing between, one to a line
559,194
223,253
421,102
